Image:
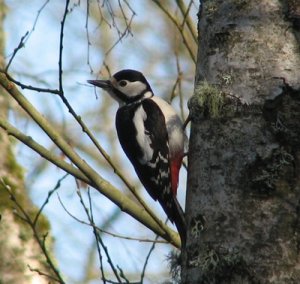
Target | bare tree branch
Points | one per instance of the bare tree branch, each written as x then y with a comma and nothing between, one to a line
57,186
147,258
26,36
29,87
180,28
89,214
48,155
61,40
115,235
186,17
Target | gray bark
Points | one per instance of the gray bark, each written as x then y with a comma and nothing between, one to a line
243,195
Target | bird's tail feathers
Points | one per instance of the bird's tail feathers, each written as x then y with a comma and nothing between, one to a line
176,216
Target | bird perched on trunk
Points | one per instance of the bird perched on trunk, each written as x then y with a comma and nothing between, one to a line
151,134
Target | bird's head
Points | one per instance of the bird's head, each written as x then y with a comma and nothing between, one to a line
126,86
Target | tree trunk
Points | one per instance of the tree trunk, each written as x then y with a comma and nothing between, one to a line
18,248
243,198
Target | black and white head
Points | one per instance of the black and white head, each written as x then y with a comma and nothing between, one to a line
126,86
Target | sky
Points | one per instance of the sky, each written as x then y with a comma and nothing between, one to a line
37,64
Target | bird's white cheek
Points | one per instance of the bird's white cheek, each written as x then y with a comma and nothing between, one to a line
133,89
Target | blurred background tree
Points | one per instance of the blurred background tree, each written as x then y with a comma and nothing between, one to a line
100,38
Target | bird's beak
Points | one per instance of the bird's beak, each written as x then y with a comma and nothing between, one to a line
104,84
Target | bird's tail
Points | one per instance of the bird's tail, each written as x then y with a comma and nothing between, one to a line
177,216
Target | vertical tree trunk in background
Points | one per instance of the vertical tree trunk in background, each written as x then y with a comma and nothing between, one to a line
243,198
18,248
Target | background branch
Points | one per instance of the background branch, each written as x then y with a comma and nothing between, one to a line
190,46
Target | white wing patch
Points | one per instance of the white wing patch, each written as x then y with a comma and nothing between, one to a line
142,138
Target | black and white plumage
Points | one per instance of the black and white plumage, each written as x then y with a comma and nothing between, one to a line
151,135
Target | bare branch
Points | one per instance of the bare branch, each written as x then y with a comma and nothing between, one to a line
61,40
26,36
122,275
29,87
179,85
38,271
121,36
20,45
48,155
89,214
57,186
147,258
96,233
179,27
186,17
38,15
119,236
88,35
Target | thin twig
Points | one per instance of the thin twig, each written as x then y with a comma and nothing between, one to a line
20,45
42,273
121,36
122,275
127,29
26,36
97,235
179,86
29,87
173,91
57,186
88,35
61,40
38,15
179,27
147,258
186,18
119,236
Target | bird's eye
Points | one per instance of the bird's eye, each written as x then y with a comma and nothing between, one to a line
123,83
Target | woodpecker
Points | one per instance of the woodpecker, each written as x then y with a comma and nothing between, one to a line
152,136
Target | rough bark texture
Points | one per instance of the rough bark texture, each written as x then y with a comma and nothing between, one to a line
18,248
243,198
